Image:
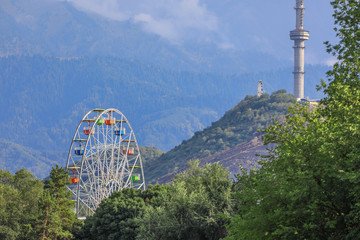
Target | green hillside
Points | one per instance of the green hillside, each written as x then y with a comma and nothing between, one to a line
237,125
149,154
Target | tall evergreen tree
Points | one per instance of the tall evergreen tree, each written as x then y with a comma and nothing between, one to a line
19,197
30,192
58,219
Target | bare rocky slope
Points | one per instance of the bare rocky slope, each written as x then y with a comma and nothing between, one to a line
242,157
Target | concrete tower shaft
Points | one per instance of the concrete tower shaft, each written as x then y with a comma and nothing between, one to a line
299,36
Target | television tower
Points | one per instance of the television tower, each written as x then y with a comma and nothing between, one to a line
299,36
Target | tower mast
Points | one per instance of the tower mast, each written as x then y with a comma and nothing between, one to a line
299,36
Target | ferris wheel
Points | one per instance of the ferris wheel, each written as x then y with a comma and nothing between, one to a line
103,157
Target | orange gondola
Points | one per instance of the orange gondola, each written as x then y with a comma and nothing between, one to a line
74,180
110,121
130,151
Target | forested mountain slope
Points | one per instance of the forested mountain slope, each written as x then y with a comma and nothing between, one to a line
43,98
239,125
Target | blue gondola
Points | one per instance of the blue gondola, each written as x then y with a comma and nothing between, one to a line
79,150
120,131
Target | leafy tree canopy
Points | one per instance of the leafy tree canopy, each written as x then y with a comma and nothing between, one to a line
32,210
198,206
310,189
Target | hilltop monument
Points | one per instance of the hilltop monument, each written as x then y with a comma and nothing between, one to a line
299,36
260,88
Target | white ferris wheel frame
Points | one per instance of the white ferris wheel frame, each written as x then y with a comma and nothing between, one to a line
106,165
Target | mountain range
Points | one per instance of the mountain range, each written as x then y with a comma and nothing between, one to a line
59,59
211,36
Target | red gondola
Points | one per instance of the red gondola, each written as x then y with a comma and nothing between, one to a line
88,131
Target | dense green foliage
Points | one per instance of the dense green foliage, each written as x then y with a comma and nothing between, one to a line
196,205
20,195
57,220
118,216
30,209
238,125
310,189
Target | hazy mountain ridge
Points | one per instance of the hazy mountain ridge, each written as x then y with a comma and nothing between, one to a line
53,94
57,28
44,98
14,156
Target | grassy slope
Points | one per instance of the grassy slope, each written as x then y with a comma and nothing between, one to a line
236,126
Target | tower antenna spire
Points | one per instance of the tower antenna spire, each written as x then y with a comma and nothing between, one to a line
299,36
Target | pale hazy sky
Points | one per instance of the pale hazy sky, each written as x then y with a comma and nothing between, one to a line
168,18
241,24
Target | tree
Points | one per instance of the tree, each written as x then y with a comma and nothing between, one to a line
32,210
57,220
309,188
30,191
9,213
197,207
19,197
117,216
